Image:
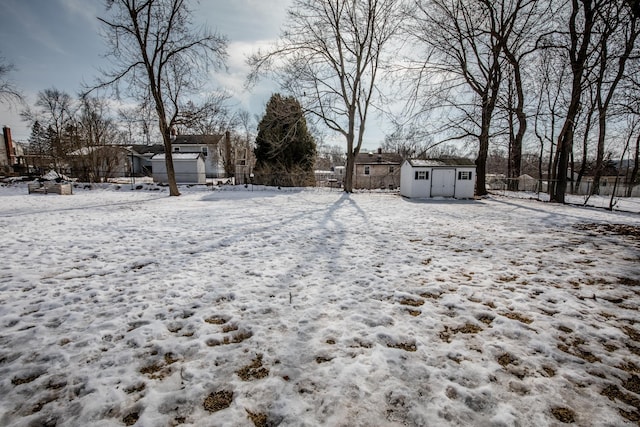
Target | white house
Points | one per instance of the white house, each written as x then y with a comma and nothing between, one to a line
438,178
188,167
212,148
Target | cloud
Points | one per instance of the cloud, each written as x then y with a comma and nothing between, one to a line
88,11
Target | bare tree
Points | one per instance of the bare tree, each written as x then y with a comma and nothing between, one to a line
549,94
330,56
464,55
138,121
9,93
530,21
156,50
581,21
618,31
212,116
54,111
97,134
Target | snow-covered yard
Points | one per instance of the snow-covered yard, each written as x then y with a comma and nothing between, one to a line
308,308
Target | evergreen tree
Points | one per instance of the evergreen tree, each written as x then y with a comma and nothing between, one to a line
39,148
285,150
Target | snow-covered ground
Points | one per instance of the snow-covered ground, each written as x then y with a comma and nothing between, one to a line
310,307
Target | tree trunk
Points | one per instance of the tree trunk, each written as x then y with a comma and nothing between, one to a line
515,147
168,157
636,166
481,163
351,163
579,53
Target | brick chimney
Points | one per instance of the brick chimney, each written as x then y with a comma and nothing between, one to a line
8,145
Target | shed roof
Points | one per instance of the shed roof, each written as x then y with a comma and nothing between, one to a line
178,156
443,162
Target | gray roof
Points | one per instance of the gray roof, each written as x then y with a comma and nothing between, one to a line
178,156
197,139
375,158
430,163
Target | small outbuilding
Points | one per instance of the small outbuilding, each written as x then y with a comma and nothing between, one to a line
451,177
188,167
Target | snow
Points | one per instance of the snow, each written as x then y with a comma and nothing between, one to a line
313,307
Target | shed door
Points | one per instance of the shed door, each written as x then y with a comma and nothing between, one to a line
443,183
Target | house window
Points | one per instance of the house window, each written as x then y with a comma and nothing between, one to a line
205,151
422,175
391,169
464,176
176,149
367,170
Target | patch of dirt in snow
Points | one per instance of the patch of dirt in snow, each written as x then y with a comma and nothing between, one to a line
253,371
218,400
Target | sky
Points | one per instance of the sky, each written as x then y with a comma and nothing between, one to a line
57,44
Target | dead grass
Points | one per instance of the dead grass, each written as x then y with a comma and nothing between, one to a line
25,379
486,319
574,348
631,332
614,393
564,415
216,320
155,371
230,327
131,419
218,401
253,371
618,229
430,295
549,371
506,359
406,346
236,338
258,420
468,328
412,302
517,316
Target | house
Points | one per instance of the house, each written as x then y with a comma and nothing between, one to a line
377,170
212,147
452,177
7,152
616,174
189,168
98,163
142,158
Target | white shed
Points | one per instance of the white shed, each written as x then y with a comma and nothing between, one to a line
189,168
438,178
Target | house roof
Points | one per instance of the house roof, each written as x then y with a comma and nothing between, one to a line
197,139
378,159
178,156
450,161
84,151
147,149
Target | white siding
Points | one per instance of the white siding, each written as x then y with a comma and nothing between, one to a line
425,179
189,168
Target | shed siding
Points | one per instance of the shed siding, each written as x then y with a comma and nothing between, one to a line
427,180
